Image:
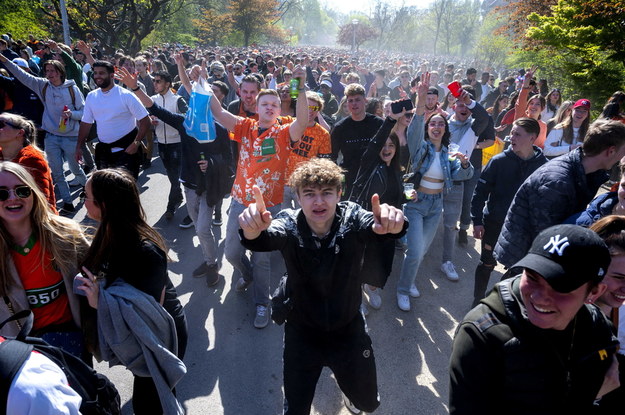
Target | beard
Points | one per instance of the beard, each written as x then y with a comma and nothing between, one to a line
103,83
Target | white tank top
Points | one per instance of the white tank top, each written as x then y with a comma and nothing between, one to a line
434,172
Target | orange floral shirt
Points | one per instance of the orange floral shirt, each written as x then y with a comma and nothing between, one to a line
262,161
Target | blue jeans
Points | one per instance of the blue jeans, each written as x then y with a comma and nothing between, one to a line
452,205
202,216
170,156
424,216
58,149
469,188
259,268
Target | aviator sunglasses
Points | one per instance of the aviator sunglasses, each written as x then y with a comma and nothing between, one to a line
22,192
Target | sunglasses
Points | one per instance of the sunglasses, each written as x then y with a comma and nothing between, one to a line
314,107
5,123
22,192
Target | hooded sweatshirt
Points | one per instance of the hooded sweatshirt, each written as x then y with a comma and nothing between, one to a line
56,97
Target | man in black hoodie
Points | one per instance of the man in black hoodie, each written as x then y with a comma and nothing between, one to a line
498,183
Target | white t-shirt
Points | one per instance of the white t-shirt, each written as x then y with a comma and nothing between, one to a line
116,112
40,388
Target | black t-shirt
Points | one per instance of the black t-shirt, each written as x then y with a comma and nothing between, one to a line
351,138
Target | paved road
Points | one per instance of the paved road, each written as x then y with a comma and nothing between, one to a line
236,369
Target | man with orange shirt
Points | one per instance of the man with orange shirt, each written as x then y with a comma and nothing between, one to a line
314,143
264,148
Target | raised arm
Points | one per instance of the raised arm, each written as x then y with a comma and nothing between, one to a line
182,73
130,80
298,126
86,50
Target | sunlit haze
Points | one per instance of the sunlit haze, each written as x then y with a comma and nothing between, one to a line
366,6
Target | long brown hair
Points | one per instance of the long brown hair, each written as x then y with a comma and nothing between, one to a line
59,237
122,221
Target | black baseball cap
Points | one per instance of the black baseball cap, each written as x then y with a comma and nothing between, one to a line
433,91
567,257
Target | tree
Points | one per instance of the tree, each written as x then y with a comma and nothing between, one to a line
213,26
252,17
115,23
515,13
439,9
363,33
21,18
582,54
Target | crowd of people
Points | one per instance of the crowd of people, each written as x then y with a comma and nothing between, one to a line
340,163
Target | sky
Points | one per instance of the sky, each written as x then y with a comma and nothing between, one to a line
346,6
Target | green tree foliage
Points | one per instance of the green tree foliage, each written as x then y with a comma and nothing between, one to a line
22,18
583,45
115,23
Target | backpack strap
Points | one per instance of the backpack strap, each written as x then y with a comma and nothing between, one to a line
71,93
13,354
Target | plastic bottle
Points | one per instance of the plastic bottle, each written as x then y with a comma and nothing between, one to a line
294,88
63,122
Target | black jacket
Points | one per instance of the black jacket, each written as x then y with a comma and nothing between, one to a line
325,275
548,197
374,176
190,174
498,183
501,363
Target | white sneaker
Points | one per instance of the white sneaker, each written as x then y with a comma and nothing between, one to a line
403,302
349,405
375,301
450,271
262,317
414,293
363,309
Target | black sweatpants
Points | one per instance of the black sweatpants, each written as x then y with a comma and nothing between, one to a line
347,352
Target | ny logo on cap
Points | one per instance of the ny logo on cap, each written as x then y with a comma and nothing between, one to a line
556,244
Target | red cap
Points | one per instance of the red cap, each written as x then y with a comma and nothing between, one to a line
582,103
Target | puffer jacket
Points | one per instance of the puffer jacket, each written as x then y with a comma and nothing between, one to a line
499,182
501,363
550,195
600,206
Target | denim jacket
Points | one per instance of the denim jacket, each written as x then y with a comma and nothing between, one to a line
452,169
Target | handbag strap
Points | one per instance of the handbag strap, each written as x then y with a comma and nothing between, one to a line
410,163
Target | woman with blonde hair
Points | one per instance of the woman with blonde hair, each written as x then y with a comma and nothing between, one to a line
40,256
17,144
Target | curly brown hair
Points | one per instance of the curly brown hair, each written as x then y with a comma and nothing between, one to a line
317,172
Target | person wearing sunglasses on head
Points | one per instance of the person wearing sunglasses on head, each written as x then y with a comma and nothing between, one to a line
39,256
17,144
314,143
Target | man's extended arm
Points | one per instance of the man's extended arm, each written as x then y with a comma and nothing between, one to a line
298,126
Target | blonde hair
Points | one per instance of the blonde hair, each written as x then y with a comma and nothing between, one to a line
58,236
313,96
23,123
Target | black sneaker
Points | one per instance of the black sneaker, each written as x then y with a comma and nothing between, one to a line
201,271
212,275
186,223
463,240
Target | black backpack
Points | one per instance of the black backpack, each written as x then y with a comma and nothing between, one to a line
99,395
